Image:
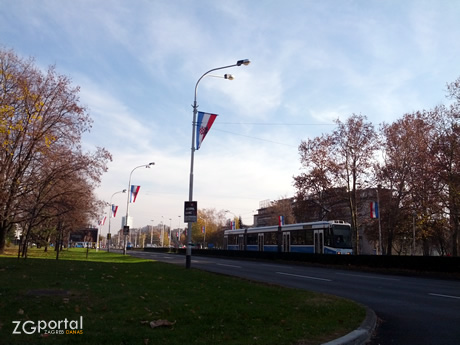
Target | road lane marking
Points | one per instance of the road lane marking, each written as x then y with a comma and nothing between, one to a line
229,265
364,276
306,277
446,296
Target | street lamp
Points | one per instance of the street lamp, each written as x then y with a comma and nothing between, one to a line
151,234
188,256
380,226
110,217
127,201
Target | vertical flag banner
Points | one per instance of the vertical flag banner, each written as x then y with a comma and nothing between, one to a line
203,229
102,222
233,225
134,192
280,220
374,210
114,210
203,125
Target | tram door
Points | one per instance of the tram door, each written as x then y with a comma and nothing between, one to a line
319,241
241,242
261,242
286,242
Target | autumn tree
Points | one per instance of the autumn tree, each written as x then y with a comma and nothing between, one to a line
341,159
213,221
445,153
40,120
404,171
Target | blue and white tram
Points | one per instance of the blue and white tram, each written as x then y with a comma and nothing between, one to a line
324,237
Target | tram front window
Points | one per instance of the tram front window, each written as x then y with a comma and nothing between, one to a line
341,237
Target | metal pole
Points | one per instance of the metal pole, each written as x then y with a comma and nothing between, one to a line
380,227
188,252
414,215
110,217
127,201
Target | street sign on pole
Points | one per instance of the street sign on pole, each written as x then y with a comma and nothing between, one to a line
190,211
126,230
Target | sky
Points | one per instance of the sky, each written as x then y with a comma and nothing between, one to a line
137,63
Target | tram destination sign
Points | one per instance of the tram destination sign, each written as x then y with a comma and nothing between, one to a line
190,212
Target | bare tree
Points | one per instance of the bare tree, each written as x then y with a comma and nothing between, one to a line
40,117
341,159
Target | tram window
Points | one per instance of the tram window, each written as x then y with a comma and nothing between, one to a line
270,238
327,237
309,237
252,239
298,237
232,239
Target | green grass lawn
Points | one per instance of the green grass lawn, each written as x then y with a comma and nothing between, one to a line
118,296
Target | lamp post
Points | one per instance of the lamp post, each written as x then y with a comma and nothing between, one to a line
151,234
170,230
127,201
188,256
379,215
110,217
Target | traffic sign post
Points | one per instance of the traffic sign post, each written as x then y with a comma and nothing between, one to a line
190,211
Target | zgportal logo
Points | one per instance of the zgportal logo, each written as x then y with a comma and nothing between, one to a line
49,327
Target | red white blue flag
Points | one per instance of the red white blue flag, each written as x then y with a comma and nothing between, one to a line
280,220
134,192
233,225
203,229
374,210
102,222
203,125
114,210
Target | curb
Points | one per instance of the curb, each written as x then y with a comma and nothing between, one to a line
361,335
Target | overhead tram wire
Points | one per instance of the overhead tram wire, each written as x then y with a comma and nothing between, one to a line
275,124
266,124
251,137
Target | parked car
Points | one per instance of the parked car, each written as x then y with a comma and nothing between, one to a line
129,245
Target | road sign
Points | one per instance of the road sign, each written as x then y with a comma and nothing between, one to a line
190,212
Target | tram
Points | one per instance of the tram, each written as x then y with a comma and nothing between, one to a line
323,237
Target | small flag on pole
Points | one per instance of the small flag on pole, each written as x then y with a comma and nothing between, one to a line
280,220
203,229
102,222
374,210
134,192
114,210
233,225
203,125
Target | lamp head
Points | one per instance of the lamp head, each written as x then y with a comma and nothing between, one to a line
123,191
243,62
229,76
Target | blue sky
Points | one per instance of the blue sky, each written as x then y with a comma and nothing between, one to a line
137,63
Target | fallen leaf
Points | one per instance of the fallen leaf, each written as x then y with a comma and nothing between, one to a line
21,312
160,323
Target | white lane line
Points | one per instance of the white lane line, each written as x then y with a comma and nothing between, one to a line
306,277
370,277
229,265
446,296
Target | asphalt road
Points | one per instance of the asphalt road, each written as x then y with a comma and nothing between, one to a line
411,310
